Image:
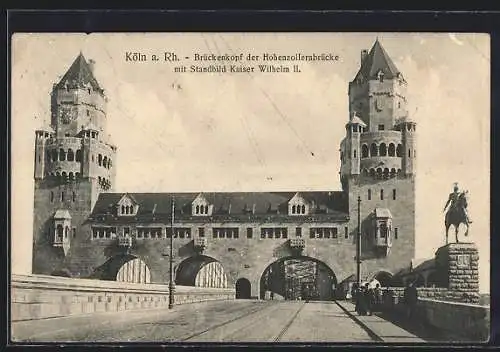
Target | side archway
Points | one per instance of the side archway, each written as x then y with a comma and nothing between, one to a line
384,278
201,271
124,268
243,288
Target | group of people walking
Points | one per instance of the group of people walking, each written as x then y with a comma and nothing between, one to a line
368,299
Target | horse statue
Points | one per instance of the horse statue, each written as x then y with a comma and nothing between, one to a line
457,214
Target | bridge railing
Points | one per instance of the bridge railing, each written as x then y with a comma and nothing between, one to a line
455,320
40,296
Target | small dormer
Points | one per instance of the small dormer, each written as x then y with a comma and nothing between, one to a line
127,206
201,206
298,205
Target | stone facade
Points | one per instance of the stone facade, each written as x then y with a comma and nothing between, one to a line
245,232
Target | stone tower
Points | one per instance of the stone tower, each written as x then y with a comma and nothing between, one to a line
378,160
74,162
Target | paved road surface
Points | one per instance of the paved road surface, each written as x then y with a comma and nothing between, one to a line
235,321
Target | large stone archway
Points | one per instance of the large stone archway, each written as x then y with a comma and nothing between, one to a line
124,268
202,271
298,277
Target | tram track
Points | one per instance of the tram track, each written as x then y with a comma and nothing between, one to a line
289,323
227,322
233,336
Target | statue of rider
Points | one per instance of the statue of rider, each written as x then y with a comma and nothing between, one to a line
453,202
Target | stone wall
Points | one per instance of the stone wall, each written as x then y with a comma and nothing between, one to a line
436,293
455,321
39,297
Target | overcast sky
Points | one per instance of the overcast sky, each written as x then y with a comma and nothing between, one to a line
249,132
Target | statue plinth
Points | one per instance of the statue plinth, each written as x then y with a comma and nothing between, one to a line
457,269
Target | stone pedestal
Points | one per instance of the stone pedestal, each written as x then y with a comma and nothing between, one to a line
457,270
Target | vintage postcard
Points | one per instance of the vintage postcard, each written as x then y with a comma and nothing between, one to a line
250,187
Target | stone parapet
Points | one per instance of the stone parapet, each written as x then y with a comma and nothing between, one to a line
39,297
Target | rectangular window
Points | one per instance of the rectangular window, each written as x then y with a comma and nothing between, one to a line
323,232
179,232
201,232
396,233
225,232
394,194
274,232
249,232
369,194
334,232
381,194
298,232
381,127
346,232
74,232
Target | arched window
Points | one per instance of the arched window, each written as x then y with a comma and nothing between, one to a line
392,149
393,172
60,232
62,155
399,151
62,196
409,153
74,196
354,154
197,209
105,162
123,209
386,173
51,196
400,172
383,149
77,175
71,177
294,208
206,209
370,194
373,150
303,209
372,172
64,176
364,151
71,155
78,155
394,194
55,156
99,159
381,194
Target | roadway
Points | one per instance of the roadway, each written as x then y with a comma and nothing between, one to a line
222,321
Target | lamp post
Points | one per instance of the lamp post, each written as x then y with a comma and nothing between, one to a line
171,284
358,245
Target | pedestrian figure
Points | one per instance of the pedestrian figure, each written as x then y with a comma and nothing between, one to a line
411,299
369,297
378,297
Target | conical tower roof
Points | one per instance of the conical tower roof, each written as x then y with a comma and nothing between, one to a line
79,75
377,61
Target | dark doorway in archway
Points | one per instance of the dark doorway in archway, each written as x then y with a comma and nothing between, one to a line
243,289
298,278
384,278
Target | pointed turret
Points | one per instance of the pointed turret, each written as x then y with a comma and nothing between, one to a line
377,62
79,75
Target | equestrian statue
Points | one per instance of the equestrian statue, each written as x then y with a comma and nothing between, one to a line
457,211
